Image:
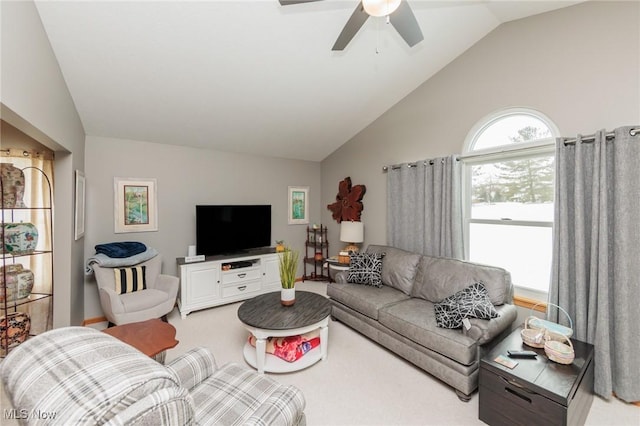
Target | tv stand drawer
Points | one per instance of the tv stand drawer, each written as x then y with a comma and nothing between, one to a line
240,275
241,288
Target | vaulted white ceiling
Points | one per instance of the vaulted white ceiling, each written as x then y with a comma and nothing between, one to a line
252,76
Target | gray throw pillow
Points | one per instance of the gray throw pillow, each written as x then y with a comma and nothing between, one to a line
365,268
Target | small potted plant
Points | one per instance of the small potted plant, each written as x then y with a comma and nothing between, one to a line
288,268
279,246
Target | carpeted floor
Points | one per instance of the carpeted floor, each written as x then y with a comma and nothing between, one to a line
360,383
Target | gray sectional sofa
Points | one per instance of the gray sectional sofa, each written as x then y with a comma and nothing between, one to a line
400,315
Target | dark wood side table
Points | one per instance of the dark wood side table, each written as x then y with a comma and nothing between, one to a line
536,391
152,337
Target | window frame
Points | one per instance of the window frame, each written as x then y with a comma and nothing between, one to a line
520,151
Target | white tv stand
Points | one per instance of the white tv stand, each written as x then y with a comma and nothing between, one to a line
214,282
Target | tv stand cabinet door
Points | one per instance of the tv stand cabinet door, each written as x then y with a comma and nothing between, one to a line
271,273
200,286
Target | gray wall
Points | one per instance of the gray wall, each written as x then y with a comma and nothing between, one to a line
186,177
579,65
35,100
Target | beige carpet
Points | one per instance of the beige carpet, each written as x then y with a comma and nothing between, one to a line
360,383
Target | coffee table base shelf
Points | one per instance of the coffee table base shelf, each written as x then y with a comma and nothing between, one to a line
262,361
273,364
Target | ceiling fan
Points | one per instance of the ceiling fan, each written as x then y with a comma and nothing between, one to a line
398,13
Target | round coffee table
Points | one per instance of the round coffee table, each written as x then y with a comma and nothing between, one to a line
264,317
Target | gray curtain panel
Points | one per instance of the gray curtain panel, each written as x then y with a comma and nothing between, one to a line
596,246
424,207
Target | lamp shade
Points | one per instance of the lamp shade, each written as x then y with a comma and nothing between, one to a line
351,232
380,7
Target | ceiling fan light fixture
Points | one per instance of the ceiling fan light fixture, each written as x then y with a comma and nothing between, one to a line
380,7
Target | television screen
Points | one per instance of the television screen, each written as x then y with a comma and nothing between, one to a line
232,229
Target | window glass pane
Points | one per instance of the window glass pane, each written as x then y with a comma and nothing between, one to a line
513,189
512,129
524,251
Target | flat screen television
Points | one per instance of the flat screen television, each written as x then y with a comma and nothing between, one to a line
231,229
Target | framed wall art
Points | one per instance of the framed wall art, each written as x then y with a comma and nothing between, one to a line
298,205
79,205
136,205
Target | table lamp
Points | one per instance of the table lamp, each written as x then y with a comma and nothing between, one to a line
352,233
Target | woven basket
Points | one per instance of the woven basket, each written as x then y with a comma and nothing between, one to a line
533,337
560,352
554,330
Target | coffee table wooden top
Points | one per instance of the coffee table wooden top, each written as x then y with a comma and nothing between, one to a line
266,311
150,337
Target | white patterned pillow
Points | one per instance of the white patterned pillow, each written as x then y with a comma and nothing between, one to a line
471,302
365,268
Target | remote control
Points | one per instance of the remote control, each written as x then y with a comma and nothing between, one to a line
521,354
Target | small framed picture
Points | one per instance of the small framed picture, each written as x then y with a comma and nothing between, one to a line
136,206
298,205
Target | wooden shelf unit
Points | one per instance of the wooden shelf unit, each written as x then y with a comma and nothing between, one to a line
316,254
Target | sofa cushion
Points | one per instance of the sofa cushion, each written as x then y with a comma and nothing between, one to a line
365,268
471,302
141,300
415,319
398,267
364,299
438,278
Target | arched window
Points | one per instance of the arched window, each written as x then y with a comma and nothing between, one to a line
509,190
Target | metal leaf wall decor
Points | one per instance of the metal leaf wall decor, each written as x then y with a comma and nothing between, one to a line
348,205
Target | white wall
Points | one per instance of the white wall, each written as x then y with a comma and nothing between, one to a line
186,177
579,65
35,99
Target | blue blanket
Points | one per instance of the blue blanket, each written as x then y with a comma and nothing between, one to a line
112,262
121,249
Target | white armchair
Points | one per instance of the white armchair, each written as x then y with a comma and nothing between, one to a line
156,301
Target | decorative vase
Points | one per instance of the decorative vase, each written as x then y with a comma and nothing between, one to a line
12,186
19,238
288,296
14,329
19,282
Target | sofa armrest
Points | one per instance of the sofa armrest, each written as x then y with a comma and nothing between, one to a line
110,301
193,367
171,406
169,284
284,407
341,277
483,331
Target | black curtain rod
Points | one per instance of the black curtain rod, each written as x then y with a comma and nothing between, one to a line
592,138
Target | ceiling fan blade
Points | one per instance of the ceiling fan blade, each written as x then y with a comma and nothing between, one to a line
353,25
404,21
288,2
